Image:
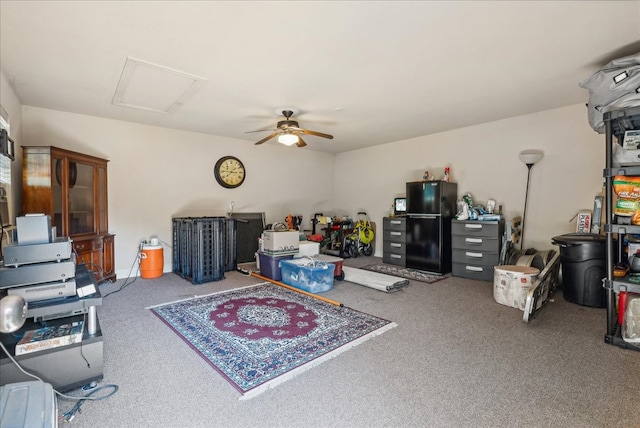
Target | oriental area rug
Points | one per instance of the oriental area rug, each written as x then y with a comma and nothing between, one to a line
259,336
407,273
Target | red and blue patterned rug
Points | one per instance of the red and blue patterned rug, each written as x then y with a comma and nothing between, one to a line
260,336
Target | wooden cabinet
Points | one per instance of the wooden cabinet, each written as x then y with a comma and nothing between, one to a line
394,240
475,247
71,188
108,250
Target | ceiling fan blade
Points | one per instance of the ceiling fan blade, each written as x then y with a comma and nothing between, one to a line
260,130
317,134
267,138
301,142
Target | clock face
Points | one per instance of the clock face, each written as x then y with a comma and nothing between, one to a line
229,172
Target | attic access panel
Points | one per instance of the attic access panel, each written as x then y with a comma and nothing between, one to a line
151,87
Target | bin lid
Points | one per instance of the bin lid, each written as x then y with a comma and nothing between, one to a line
578,238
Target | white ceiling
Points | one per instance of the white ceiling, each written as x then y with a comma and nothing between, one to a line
368,72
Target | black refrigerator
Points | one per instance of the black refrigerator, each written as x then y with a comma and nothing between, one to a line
431,205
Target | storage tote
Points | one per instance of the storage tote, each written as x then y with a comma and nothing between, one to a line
307,274
270,265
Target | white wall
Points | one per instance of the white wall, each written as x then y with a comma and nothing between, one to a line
484,162
11,104
155,174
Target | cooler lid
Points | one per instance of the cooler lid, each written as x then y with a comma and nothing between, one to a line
151,247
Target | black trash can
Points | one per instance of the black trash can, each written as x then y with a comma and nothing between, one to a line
584,264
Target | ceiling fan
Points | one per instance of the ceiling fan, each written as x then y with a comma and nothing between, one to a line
288,131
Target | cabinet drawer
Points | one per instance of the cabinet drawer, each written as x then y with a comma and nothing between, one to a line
481,273
475,243
394,236
394,247
480,258
394,258
476,228
94,244
389,223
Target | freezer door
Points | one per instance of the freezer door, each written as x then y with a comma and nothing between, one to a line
428,238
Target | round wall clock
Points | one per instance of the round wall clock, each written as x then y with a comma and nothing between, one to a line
229,172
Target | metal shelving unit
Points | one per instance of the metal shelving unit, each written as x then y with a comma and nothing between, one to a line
616,123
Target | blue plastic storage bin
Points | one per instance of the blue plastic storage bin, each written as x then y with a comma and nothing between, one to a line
308,274
270,265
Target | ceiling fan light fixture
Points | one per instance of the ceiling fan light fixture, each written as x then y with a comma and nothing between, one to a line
288,139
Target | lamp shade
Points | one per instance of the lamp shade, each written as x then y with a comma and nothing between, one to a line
13,313
288,139
530,157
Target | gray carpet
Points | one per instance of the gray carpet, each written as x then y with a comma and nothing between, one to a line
456,358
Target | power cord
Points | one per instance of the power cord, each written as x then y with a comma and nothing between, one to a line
70,414
125,283
84,323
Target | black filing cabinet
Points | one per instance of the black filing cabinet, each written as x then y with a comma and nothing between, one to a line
394,240
475,248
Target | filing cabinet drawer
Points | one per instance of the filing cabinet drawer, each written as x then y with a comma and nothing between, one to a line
394,235
394,259
476,228
480,273
475,243
394,247
394,223
480,258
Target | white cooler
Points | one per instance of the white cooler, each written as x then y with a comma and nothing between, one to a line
308,248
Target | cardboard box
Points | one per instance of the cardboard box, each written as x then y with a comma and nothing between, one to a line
583,222
288,240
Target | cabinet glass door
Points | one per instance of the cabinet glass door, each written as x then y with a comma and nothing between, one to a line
81,198
59,169
102,200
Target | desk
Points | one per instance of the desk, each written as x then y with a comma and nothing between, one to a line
67,367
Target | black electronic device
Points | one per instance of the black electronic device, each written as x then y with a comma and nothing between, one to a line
7,145
4,207
400,206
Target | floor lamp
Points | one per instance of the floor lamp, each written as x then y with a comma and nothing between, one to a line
529,158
